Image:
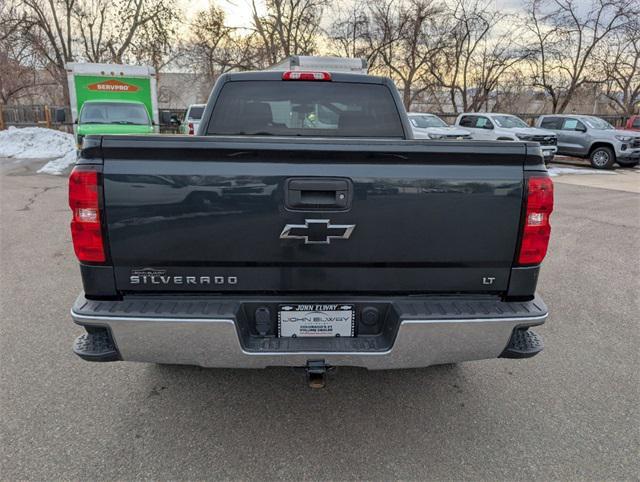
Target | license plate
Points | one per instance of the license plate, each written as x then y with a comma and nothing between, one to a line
316,320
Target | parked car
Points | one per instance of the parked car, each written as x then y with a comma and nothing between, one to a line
430,126
633,123
593,138
507,127
192,119
310,230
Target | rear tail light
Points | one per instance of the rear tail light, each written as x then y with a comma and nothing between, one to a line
536,230
294,75
191,130
86,230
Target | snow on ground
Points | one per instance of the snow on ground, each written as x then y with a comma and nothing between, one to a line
56,167
556,171
39,143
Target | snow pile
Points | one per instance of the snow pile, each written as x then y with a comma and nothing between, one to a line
39,143
35,143
556,171
58,166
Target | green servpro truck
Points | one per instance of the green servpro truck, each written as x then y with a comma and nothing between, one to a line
112,99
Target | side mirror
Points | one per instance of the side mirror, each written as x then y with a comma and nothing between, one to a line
60,115
581,128
488,126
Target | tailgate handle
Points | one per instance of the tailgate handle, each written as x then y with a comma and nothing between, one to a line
318,193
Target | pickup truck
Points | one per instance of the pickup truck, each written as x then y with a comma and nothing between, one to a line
304,226
593,138
430,126
507,127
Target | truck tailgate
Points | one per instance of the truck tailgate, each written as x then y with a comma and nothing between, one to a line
254,214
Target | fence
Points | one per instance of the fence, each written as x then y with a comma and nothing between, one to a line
43,116
25,116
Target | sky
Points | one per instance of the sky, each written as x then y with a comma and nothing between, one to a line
239,11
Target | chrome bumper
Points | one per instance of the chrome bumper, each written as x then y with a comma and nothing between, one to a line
214,342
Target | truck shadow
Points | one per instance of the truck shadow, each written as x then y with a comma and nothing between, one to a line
338,379
225,423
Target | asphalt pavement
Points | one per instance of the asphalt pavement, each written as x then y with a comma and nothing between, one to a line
569,413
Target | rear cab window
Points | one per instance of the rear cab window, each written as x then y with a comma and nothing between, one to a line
305,108
551,123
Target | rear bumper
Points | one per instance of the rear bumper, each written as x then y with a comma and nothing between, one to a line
187,332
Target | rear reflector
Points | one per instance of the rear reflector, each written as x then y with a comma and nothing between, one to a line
86,231
293,75
536,230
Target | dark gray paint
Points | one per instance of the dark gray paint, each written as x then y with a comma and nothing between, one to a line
449,218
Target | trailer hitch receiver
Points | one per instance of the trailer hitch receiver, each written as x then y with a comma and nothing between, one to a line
317,373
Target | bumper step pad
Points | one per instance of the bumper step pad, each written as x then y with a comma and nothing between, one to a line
523,344
97,346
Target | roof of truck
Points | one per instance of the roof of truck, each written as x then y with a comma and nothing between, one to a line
277,75
571,115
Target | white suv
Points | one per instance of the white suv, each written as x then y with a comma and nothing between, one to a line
507,127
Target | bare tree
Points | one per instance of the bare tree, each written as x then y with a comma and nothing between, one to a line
403,38
289,27
621,63
350,32
19,67
493,66
513,93
478,53
566,35
63,31
215,48
10,19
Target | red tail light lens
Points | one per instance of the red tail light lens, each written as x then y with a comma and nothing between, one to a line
86,231
536,230
191,130
294,75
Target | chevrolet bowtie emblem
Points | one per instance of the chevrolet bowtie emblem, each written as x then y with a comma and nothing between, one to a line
317,231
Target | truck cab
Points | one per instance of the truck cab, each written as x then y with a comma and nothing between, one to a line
113,117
